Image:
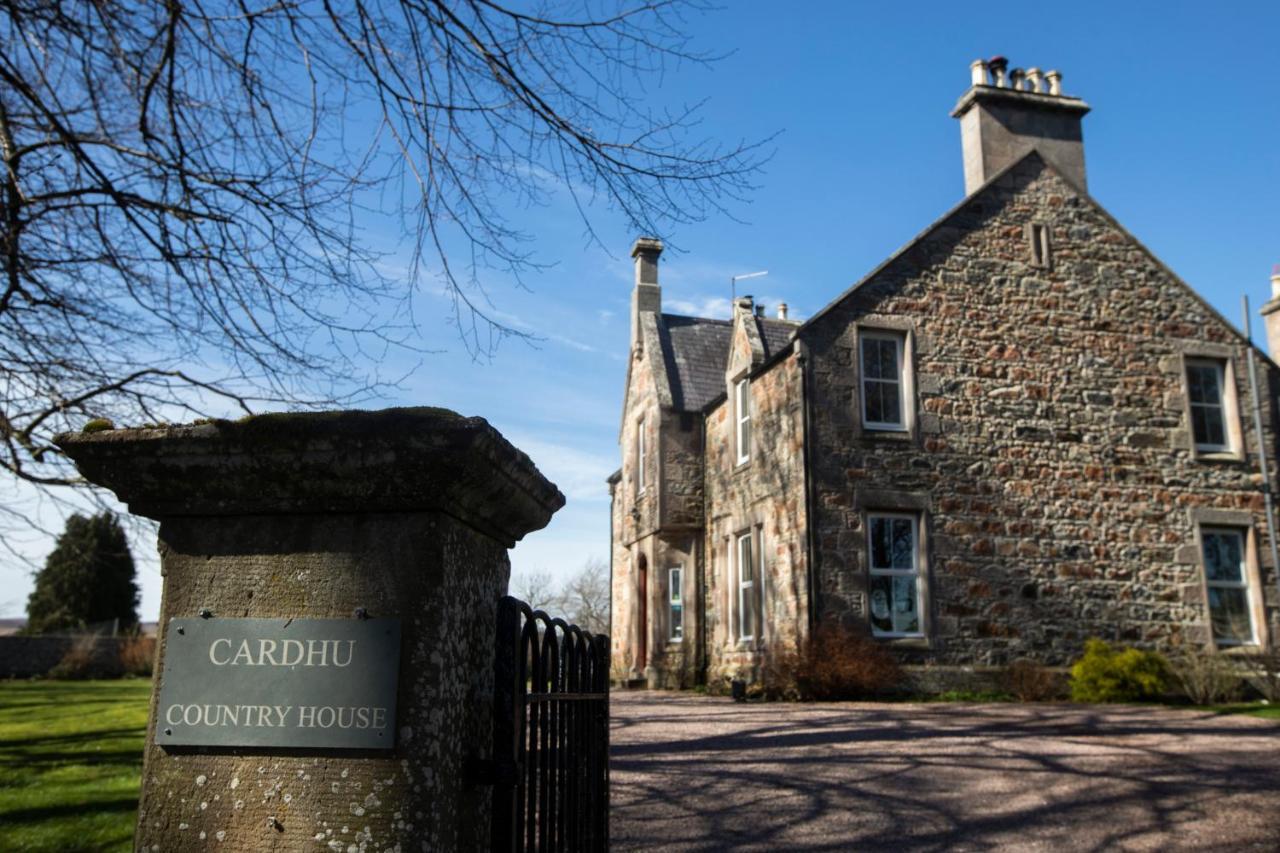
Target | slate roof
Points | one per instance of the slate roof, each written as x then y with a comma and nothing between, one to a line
696,351
776,334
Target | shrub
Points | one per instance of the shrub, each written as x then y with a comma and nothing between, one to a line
1028,681
82,661
835,663
137,654
1261,670
1105,674
1205,678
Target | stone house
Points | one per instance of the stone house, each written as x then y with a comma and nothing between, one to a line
1020,431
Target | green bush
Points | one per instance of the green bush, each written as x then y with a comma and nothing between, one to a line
1105,674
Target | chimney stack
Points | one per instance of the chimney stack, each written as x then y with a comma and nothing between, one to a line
1271,315
782,310
1002,118
647,295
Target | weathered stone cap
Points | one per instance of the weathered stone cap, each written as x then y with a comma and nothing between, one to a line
394,460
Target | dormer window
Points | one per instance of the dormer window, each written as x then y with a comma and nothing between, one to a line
742,418
882,380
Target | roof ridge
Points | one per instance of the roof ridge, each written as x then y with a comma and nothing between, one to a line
699,319
934,226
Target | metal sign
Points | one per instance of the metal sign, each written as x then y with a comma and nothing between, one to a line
319,683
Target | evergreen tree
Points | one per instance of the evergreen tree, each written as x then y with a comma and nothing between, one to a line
88,578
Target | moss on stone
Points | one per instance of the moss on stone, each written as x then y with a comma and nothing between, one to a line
98,425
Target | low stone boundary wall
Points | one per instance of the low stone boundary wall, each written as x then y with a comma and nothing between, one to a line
35,656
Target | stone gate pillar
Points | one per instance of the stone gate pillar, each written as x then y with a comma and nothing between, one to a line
403,514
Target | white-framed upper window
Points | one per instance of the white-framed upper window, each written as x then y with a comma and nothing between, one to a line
748,565
742,418
893,549
1207,401
642,456
1226,575
675,599
883,385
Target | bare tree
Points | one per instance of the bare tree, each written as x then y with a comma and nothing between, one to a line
536,589
586,597
188,188
583,599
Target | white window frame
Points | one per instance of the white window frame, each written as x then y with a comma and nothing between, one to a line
675,602
916,571
1225,410
642,457
748,594
1244,584
899,340
742,419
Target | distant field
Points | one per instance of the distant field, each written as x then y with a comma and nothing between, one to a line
70,763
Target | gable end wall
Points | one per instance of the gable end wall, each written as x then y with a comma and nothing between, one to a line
1051,456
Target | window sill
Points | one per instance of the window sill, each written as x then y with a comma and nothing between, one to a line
886,434
921,642
1238,649
1227,456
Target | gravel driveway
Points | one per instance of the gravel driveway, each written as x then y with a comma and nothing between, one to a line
698,773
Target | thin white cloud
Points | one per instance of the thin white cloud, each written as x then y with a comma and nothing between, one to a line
579,474
572,344
700,306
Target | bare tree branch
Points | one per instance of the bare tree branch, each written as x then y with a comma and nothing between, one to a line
183,188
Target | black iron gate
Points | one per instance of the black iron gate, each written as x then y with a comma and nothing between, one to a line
551,734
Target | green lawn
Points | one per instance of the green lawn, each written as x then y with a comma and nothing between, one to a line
70,763
1253,709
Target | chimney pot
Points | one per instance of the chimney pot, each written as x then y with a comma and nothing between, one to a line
1271,314
978,72
760,310
782,310
1000,124
998,64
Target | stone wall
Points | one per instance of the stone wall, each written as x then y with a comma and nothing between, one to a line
767,492
403,514
634,513
34,657
256,801
1050,457
662,524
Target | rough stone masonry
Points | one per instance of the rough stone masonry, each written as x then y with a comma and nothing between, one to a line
403,514
1036,456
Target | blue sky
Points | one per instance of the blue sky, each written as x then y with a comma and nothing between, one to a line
1182,146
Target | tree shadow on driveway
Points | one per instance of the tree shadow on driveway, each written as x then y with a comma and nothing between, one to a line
696,773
